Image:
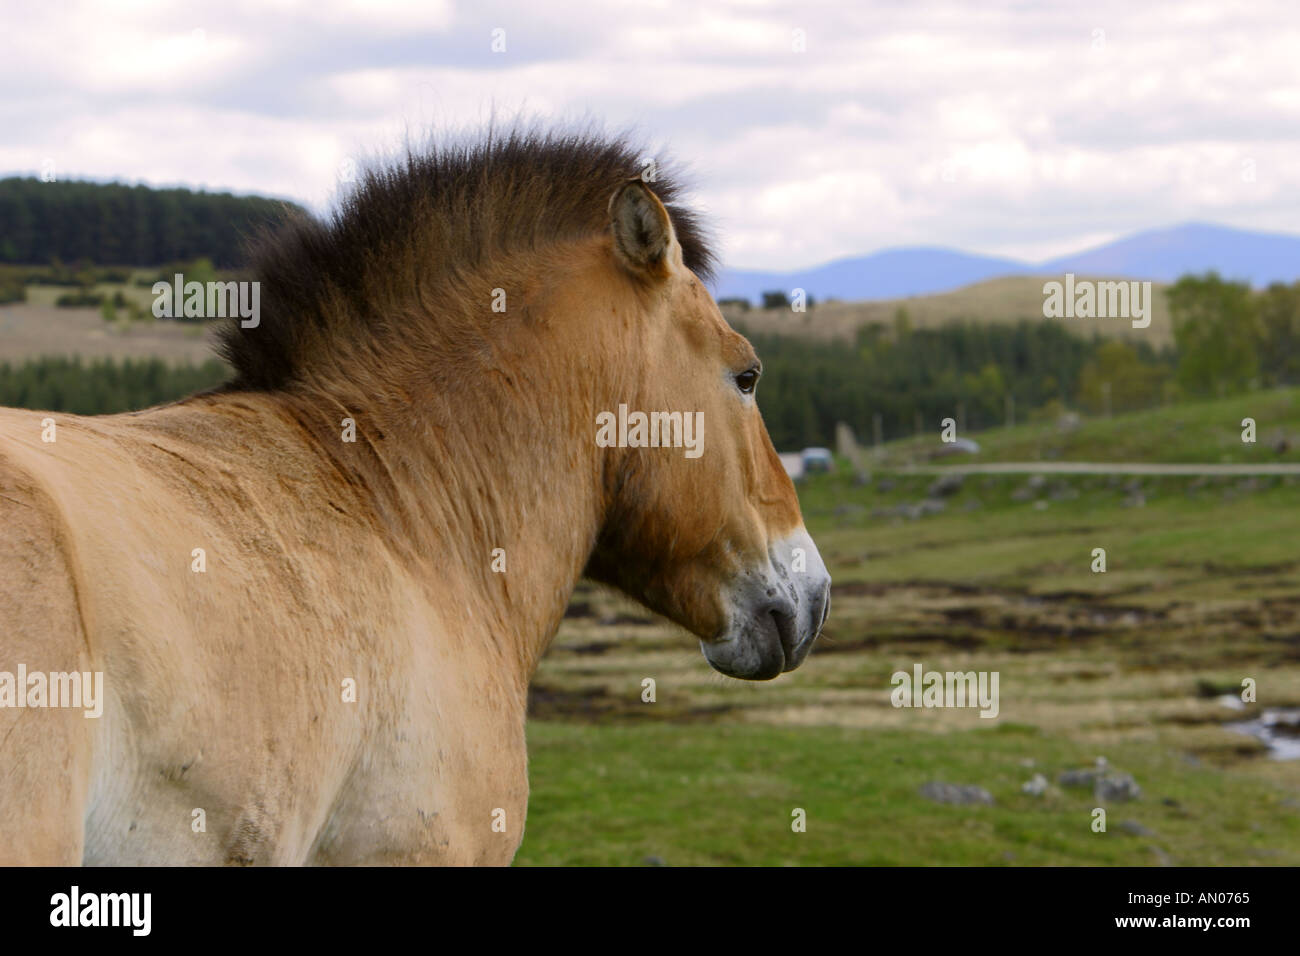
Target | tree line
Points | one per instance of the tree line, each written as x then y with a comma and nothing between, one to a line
1231,337
1228,338
103,386
915,377
115,224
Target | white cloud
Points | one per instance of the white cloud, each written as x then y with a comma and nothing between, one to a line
994,127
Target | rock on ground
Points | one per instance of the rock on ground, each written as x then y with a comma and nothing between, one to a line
961,794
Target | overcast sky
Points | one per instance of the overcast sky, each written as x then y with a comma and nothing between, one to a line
994,126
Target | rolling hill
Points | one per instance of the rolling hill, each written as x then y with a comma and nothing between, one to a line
1160,255
1005,299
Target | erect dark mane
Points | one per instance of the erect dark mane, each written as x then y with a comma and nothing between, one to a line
412,229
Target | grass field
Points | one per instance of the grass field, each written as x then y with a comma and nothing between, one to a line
1133,664
1207,432
29,330
725,795
38,328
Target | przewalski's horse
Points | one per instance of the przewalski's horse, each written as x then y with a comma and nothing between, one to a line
393,501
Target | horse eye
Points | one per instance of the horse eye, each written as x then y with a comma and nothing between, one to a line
747,380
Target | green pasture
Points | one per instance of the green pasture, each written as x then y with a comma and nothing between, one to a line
724,795
1138,665
1204,432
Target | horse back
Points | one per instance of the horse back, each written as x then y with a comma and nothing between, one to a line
43,750
266,659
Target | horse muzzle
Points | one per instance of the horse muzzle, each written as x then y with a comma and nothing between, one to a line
776,613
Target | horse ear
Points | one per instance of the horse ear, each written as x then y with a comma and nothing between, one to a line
644,239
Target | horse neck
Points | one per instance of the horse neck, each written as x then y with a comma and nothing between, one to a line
492,464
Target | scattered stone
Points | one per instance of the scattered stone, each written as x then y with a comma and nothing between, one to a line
1135,501
960,794
848,510
1107,786
1036,482
946,485
886,484
930,506
1077,778
1133,828
1036,785
972,504
1063,491
1117,788
654,861
1040,505
1083,778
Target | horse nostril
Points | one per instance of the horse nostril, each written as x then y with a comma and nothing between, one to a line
787,630
826,606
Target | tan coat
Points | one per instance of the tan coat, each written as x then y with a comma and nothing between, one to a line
234,566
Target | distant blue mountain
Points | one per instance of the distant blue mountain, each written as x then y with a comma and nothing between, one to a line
1161,255
890,274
